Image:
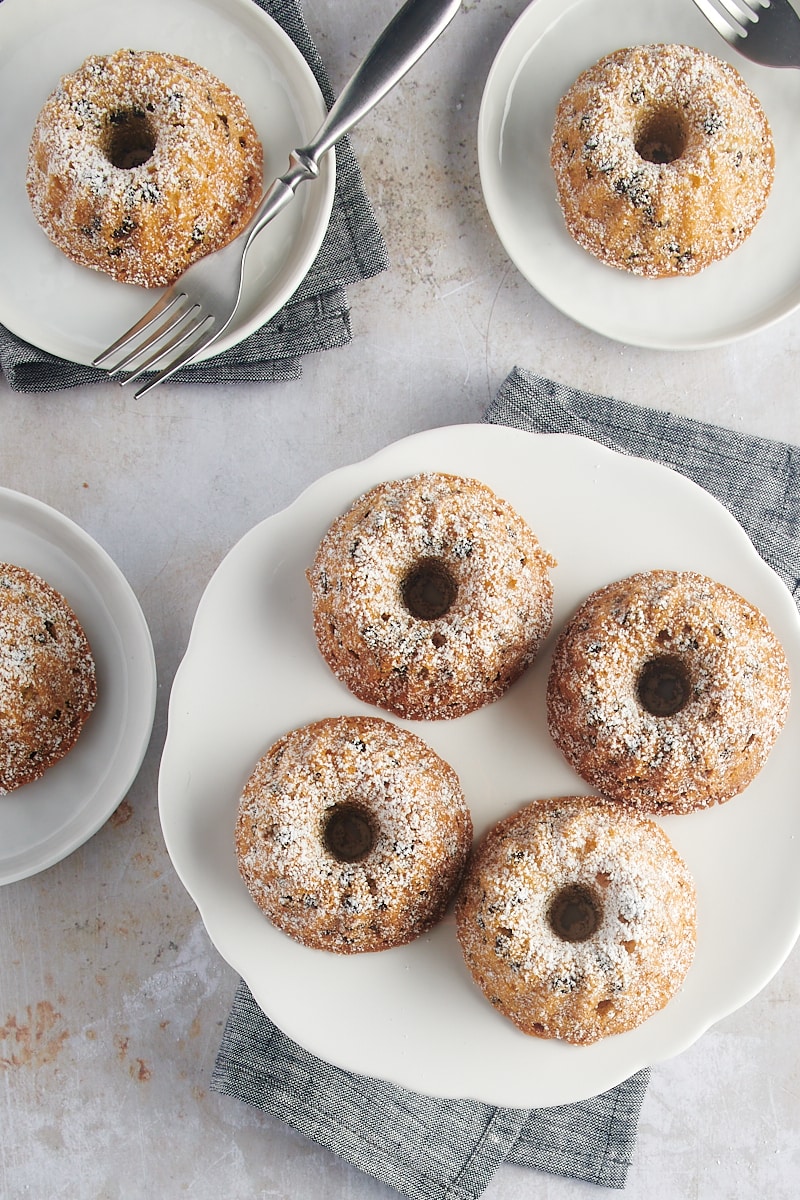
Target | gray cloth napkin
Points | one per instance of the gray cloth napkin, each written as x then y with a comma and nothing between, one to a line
424,1147
316,318
757,479
431,1149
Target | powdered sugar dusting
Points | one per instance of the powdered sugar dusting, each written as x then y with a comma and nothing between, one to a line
421,823
47,677
143,223
453,663
738,681
632,964
670,217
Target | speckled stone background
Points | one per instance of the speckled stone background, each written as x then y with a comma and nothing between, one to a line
112,998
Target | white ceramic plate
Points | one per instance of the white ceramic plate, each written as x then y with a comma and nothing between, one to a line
72,311
252,671
548,47
46,820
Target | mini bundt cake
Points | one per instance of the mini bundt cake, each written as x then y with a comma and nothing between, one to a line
431,595
577,918
352,835
663,159
667,691
140,163
48,681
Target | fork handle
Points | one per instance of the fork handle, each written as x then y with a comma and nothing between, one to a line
280,193
405,39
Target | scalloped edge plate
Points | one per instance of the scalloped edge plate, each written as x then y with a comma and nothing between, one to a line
252,671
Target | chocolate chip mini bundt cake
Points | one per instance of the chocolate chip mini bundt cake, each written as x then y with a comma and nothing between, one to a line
430,596
663,159
47,677
352,835
140,163
667,691
577,918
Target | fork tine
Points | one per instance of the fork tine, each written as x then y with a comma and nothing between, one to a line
174,319
742,10
197,325
765,31
732,33
161,306
185,356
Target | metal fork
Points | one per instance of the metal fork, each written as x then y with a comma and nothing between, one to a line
199,306
765,31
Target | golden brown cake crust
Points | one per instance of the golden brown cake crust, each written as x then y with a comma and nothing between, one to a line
450,544
140,163
47,677
584,869
667,640
663,159
352,835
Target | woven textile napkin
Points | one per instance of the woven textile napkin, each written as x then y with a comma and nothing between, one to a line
426,1148
431,1149
757,479
316,318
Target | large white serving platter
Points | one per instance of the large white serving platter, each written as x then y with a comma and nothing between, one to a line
46,820
545,51
252,671
74,312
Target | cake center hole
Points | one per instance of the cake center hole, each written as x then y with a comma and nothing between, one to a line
663,687
662,137
349,834
575,913
130,139
429,590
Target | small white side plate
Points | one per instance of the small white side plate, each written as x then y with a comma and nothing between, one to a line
74,312
546,50
46,820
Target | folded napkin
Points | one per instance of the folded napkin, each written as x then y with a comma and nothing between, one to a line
316,318
424,1147
757,479
432,1149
